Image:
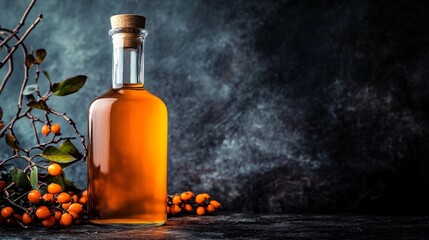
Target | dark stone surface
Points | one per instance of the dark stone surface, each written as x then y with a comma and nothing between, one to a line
244,226
274,106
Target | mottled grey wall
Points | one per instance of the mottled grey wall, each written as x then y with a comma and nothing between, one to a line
273,105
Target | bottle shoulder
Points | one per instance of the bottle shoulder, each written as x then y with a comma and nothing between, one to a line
127,96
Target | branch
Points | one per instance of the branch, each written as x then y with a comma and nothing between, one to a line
21,23
38,19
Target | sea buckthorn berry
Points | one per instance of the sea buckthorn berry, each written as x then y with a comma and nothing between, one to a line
49,222
63,198
201,210
54,188
46,130
215,204
84,193
174,209
66,219
34,196
176,200
74,214
76,207
75,198
1,124
6,212
210,208
43,212
83,200
48,197
57,215
2,185
200,198
55,128
185,196
55,169
27,218
66,206
188,207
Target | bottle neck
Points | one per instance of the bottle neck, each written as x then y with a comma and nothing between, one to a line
128,57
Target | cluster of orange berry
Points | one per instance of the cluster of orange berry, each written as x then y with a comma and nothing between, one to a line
50,209
187,202
54,128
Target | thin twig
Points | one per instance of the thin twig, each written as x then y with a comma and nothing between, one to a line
10,69
38,19
21,23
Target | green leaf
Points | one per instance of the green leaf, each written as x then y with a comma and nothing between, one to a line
65,184
20,178
30,89
47,76
40,55
34,178
54,154
29,61
11,141
68,147
1,113
39,104
69,86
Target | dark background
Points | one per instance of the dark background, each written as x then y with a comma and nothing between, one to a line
274,106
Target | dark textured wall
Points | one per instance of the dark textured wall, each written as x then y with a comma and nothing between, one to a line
273,105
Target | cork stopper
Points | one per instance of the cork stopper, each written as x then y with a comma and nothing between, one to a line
128,21
128,38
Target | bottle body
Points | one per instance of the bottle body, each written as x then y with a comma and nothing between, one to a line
127,160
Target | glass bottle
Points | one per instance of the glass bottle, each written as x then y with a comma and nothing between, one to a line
127,138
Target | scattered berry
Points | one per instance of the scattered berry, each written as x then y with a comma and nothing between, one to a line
215,204
49,222
48,198
54,188
6,212
176,200
46,130
66,219
63,198
200,198
55,128
43,212
76,207
27,218
34,196
55,169
201,210
185,196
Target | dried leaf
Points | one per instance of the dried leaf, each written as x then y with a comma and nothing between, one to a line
11,141
54,154
40,55
39,104
30,89
30,61
69,86
20,178
34,178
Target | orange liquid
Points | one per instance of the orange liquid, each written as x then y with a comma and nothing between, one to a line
127,159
